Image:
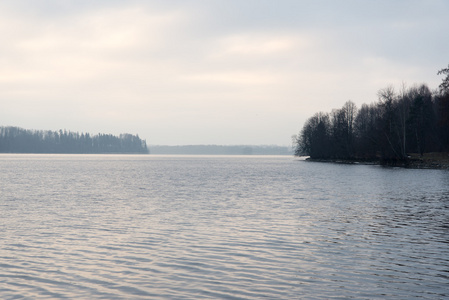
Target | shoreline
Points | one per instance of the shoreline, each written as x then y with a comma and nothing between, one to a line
436,161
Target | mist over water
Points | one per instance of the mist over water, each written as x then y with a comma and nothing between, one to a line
229,227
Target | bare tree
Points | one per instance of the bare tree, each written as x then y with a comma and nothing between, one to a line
444,86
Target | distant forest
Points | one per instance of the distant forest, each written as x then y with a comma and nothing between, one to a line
412,120
18,140
221,150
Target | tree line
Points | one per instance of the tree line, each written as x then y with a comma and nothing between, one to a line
412,120
19,140
221,150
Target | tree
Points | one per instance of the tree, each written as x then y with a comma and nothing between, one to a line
415,120
442,100
366,131
349,110
390,131
444,86
18,140
403,110
314,137
442,115
421,117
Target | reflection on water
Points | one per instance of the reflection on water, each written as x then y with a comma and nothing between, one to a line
194,227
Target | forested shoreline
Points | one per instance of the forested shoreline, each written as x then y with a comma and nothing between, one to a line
19,140
221,150
411,120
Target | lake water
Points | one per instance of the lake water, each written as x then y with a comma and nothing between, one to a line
220,227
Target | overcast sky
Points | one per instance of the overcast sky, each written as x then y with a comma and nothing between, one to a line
209,72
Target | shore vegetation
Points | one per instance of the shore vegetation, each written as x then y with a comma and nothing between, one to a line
19,140
400,128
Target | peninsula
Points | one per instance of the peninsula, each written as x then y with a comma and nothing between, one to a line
19,140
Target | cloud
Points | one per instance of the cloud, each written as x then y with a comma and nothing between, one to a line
178,71
256,44
87,45
235,78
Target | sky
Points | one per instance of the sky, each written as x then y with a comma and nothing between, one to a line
246,72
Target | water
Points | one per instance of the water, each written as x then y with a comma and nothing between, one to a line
217,227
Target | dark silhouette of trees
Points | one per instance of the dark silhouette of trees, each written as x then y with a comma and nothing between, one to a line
366,127
442,100
444,86
415,120
314,138
442,106
421,118
342,130
18,140
390,130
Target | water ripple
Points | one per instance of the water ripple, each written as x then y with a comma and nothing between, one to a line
133,227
